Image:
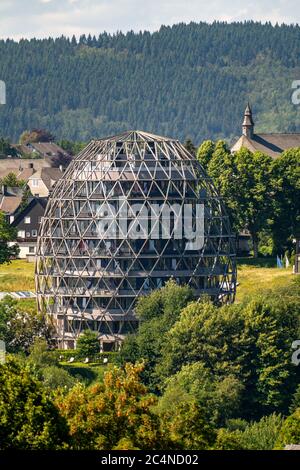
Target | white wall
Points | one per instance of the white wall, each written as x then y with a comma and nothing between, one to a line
24,249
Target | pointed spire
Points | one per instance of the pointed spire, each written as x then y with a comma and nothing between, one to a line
248,123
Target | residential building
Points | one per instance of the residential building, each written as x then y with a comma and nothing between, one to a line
43,155
46,150
22,168
27,222
42,181
10,201
272,144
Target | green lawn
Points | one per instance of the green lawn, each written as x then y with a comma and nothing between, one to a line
253,276
17,275
88,372
259,275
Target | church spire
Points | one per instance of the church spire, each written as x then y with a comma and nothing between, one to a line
248,124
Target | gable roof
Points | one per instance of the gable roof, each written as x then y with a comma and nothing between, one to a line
47,175
42,201
19,165
26,173
53,173
25,168
270,144
48,149
45,149
9,204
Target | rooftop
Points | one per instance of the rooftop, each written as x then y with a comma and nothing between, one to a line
272,144
9,204
135,135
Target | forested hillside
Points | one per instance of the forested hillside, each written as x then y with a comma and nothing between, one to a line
183,81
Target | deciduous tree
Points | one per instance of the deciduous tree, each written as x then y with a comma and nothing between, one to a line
245,180
19,328
113,414
28,417
7,234
286,176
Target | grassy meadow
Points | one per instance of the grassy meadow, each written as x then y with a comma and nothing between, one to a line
254,275
17,276
259,275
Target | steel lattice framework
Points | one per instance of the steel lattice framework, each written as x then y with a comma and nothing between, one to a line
83,279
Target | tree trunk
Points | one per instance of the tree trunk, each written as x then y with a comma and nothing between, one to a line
255,244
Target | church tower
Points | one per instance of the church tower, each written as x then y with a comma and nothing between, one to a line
248,124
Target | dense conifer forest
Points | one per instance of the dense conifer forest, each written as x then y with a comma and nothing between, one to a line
184,81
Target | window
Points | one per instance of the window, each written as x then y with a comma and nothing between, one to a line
27,234
21,234
32,249
151,245
34,233
27,220
35,182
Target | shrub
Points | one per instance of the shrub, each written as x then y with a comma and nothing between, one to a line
88,344
290,431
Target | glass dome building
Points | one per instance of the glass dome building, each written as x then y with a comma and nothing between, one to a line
131,212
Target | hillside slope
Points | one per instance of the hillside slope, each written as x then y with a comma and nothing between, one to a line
183,81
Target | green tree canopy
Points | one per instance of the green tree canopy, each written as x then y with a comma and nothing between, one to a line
220,398
290,431
18,328
286,174
6,149
28,418
36,135
7,234
88,343
73,148
113,414
245,180
189,427
190,147
182,80
259,435
205,152
12,181
250,341
157,312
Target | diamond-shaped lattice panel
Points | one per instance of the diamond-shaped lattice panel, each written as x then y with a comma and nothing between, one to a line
85,279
